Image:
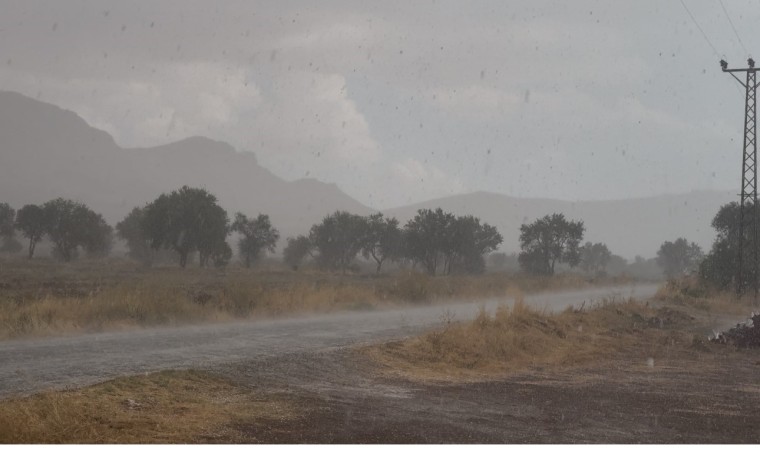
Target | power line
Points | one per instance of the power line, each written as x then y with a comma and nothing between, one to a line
700,29
733,27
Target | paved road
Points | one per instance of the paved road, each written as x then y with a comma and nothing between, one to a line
28,366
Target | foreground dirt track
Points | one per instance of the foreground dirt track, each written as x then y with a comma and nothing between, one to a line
694,397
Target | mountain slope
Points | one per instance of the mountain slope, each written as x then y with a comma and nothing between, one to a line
46,152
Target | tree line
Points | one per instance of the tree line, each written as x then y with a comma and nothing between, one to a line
71,227
437,241
190,221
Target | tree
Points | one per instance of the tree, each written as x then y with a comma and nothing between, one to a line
131,230
72,225
679,257
549,240
258,236
186,220
427,238
469,241
296,250
32,223
8,242
338,239
7,217
100,241
221,254
617,265
721,265
383,239
594,257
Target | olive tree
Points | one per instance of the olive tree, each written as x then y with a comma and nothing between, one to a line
679,257
8,242
32,223
549,240
72,225
469,242
427,238
258,235
188,220
383,239
296,250
594,257
338,239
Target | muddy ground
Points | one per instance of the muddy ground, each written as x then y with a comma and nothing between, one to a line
700,394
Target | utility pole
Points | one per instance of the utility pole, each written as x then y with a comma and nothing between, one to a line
747,207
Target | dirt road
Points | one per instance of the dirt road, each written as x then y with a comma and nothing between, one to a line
27,366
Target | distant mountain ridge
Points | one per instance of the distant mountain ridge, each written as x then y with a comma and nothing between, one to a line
47,152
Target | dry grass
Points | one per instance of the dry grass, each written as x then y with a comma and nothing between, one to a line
519,338
689,292
165,407
41,297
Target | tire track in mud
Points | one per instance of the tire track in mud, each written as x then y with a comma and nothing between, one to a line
32,365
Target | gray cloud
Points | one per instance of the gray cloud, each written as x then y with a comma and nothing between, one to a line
404,101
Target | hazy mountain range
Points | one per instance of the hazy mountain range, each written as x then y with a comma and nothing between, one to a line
47,152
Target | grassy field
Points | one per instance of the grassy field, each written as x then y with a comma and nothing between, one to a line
42,297
160,408
519,338
195,407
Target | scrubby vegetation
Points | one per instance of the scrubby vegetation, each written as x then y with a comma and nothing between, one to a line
40,297
517,337
161,408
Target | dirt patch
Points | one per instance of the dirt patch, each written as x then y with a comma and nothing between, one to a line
663,384
691,397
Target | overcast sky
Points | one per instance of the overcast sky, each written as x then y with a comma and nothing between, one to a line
398,102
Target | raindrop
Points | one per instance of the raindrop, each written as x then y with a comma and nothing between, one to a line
55,26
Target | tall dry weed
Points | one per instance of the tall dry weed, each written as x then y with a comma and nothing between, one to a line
45,298
517,337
